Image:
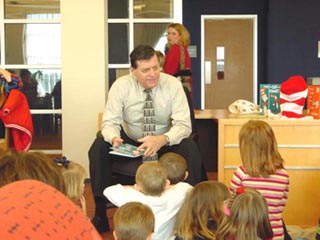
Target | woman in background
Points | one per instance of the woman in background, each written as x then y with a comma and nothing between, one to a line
177,56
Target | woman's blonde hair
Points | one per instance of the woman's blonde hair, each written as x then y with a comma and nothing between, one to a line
133,221
203,202
259,149
248,218
151,177
183,32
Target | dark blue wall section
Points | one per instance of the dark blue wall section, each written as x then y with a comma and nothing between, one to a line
288,35
294,32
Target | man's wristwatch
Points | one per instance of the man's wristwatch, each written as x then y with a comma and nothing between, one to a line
167,140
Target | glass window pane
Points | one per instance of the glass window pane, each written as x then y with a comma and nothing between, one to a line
42,87
152,34
33,43
118,9
2,131
47,131
56,94
116,73
118,43
14,43
153,9
20,10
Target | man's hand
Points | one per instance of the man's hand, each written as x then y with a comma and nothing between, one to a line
151,144
117,141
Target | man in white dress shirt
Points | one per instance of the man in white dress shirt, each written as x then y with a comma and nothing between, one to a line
123,120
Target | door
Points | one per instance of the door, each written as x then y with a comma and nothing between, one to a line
229,63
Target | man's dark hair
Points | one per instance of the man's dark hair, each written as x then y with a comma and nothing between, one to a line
24,73
141,52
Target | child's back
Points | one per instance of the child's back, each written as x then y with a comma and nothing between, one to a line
248,219
263,170
202,211
151,189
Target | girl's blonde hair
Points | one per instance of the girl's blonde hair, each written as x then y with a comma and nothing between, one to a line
259,149
203,202
74,175
183,32
248,218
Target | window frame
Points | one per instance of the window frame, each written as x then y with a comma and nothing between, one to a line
177,17
4,65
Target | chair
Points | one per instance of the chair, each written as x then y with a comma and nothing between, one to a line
194,133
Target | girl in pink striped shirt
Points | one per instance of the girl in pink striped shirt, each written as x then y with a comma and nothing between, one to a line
263,169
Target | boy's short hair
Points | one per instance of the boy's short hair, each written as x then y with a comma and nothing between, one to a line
176,166
160,57
151,177
133,221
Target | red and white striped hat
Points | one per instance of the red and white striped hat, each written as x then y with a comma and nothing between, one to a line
293,93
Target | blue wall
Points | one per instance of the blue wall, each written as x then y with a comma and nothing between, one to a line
288,35
294,32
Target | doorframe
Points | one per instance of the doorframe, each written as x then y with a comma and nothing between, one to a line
254,17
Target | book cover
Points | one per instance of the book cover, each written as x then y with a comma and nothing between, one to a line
312,81
313,102
126,150
270,99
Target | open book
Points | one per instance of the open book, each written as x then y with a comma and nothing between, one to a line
126,150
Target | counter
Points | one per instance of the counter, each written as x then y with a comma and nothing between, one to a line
299,145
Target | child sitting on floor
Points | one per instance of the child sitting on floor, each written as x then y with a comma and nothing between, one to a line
133,221
151,188
248,218
202,211
263,169
176,166
74,175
